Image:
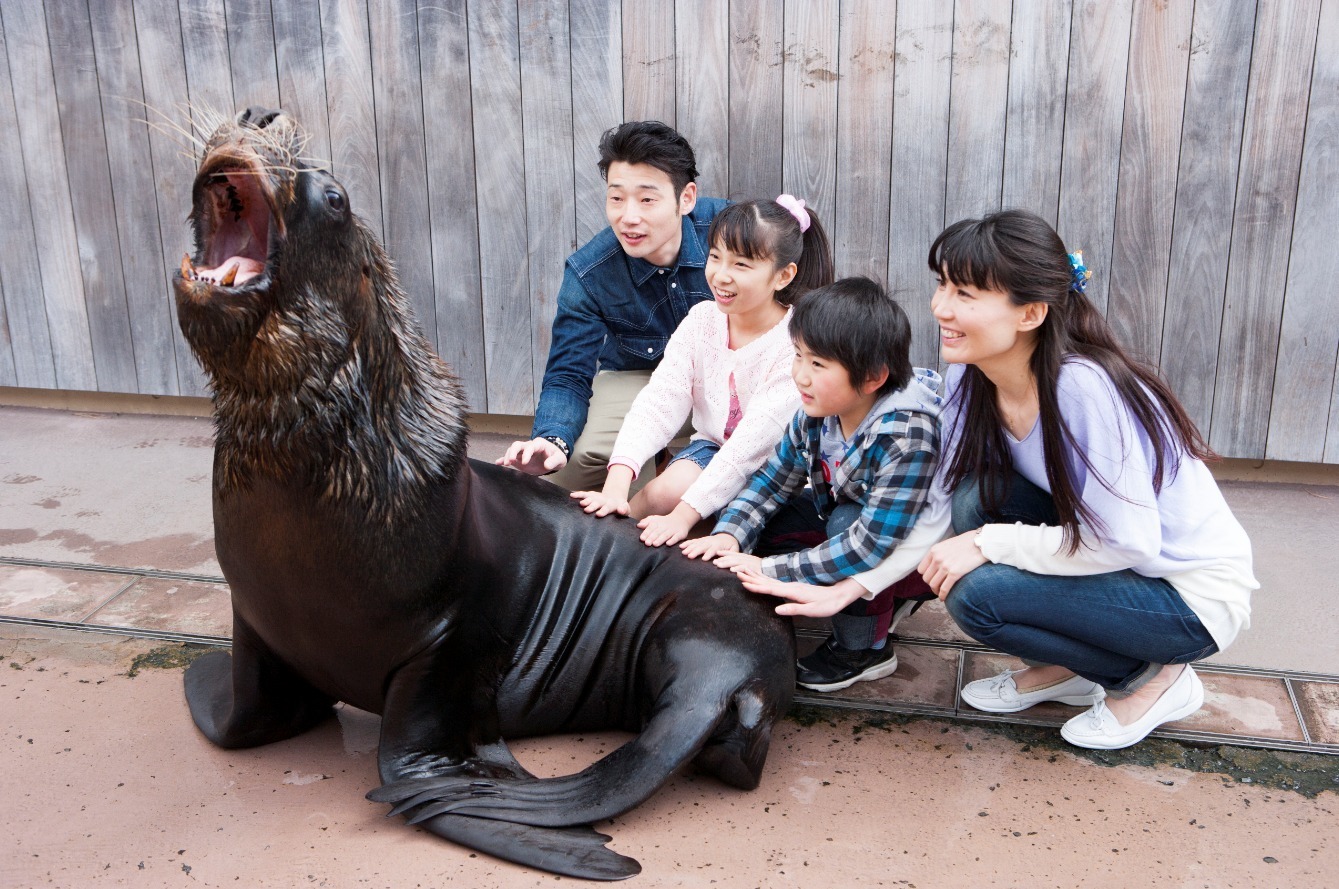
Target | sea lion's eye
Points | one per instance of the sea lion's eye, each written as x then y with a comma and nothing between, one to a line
335,199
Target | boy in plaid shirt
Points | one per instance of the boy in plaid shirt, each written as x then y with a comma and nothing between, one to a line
866,441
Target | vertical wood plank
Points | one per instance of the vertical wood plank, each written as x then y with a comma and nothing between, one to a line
397,88
1220,63
550,200
300,68
204,40
597,101
495,85
25,309
1094,107
1035,121
920,162
1150,145
48,188
347,52
648,60
1302,417
173,156
702,94
255,74
132,200
1271,150
809,105
755,98
452,200
7,374
977,107
860,215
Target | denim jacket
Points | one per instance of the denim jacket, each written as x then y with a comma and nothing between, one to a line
616,312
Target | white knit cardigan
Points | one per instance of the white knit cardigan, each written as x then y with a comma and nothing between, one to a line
694,376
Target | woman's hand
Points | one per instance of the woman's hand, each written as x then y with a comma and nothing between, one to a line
950,560
667,530
806,599
708,548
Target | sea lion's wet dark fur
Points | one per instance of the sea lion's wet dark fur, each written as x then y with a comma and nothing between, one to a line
370,562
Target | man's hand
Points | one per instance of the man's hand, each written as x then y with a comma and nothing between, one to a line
948,561
538,456
708,548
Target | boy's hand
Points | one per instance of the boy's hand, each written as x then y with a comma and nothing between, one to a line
708,548
539,456
600,503
667,530
806,599
950,560
738,562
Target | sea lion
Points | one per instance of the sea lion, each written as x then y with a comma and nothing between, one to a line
371,562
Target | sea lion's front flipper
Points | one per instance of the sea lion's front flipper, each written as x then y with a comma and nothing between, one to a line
250,697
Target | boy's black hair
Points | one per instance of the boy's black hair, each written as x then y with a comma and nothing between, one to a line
855,323
650,142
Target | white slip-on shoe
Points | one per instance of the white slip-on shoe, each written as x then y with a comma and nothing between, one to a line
1097,729
999,694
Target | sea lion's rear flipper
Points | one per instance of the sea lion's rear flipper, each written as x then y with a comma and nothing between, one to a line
250,697
570,851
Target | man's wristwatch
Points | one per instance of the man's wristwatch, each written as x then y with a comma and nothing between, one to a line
559,444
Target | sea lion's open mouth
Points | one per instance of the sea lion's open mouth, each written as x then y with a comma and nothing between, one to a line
236,221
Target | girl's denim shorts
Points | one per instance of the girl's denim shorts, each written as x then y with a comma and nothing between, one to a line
699,450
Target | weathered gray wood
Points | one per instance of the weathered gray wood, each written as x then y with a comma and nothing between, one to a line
809,106
132,199
920,162
255,74
978,103
597,101
702,94
1035,123
648,60
48,181
398,89
7,375
25,308
1271,151
452,199
1301,416
550,200
495,79
204,40
1219,68
300,67
859,221
755,99
1094,107
353,126
1150,144
172,156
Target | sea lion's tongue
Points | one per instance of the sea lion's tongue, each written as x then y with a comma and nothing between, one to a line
233,272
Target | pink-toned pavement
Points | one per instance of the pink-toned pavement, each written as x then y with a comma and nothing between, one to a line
106,557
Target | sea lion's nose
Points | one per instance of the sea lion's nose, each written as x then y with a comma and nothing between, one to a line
258,116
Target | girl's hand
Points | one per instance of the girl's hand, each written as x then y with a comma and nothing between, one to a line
738,562
950,560
806,599
666,530
600,503
708,548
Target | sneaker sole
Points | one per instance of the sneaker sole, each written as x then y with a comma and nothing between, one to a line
887,668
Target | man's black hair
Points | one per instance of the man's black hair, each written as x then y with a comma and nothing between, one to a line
855,323
653,143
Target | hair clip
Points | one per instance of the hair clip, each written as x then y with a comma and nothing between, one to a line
795,207
1081,273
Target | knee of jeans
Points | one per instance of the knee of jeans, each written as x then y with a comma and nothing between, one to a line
968,603
843,517
967,512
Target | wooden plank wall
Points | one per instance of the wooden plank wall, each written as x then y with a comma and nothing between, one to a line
1189,147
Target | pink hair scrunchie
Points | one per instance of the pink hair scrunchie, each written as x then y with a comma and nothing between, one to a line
795,206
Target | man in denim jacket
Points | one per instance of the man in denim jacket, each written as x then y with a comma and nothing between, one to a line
623,294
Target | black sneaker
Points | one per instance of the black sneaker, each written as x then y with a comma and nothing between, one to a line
831,667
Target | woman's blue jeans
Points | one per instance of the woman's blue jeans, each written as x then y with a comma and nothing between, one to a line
1115,629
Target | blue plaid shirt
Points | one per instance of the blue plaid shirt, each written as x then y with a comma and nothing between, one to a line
888,470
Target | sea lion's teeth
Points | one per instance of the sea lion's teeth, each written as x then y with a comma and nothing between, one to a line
229,276
187,270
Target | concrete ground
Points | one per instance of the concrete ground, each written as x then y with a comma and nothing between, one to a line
107,564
